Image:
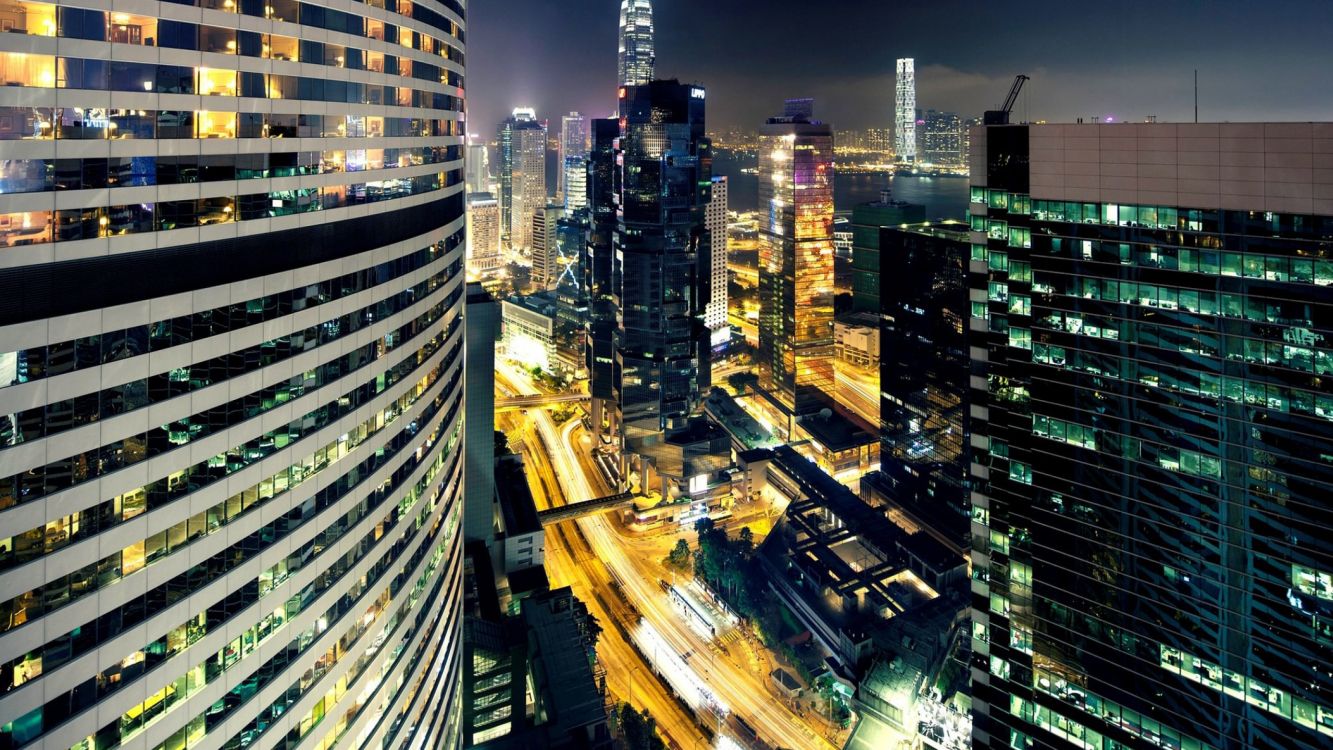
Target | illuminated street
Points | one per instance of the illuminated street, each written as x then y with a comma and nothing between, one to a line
736,675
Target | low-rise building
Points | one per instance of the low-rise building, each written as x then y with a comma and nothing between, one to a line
859,582
843,449
856,339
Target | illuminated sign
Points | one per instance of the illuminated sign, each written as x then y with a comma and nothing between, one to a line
696,93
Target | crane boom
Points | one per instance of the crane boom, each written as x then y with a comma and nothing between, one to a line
1001,116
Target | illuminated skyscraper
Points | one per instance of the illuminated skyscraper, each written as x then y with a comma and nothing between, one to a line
478,168
715,313
796,263
942,139
483,233
1151,417
573,143
637,54
230,376
522,176
904,111
575,175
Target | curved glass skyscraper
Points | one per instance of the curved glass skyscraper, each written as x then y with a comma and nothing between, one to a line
637,54
231,287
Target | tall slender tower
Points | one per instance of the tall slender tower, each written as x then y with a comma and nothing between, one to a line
796,263
522,176
637,53
230,411
904,111
715,313
664,164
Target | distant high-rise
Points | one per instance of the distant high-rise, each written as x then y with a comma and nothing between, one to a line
796,263
1152,422
904,112
798,109
545,255
942,139
715,312
483,233
522,176
637,54
661,344
231,397
575,176
573,143
478,171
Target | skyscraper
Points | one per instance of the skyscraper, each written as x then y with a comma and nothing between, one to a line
573,144
904,112
522,176
923,372
545,254
942,139
715,312
661,287
483,233
575,176
478,167
1150,401
796,263
232,409
637,53
601,284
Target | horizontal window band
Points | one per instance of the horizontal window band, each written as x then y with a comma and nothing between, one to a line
36,292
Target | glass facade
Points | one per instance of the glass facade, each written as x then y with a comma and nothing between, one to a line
638,56
923,372
229,429
1152,425
661,255
796,264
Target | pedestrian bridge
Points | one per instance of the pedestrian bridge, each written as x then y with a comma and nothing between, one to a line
517,403
585,508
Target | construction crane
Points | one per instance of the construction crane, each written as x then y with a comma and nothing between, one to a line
1001,116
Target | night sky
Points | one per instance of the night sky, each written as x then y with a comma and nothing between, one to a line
1268,60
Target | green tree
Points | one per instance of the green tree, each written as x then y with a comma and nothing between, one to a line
679,557
640,729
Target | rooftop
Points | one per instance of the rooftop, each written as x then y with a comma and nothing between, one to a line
835,432
517,507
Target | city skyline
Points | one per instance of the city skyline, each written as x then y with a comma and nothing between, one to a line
328,423
563,57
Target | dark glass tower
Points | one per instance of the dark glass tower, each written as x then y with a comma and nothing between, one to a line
601,279
1153,415
923,372
660,191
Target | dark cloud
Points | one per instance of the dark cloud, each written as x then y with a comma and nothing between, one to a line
1126,58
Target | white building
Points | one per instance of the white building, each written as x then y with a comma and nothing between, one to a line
715,312
483,234
545,249
904,112
575,173
231,421
856,339
478,171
